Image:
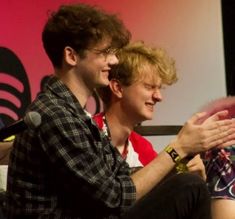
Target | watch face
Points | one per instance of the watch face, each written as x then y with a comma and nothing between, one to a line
172,152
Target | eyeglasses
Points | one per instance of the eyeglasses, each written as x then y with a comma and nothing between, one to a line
107,51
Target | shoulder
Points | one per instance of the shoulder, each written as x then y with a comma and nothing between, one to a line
138,139
143,147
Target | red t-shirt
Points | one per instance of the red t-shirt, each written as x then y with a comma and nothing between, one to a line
139,152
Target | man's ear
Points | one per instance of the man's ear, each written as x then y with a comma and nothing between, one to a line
116,87
70,56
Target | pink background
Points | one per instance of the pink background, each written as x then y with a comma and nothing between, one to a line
22,23
191,31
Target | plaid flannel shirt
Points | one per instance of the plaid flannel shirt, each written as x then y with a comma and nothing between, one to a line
65,168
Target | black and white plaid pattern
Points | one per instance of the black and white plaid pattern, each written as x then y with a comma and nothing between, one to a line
65,168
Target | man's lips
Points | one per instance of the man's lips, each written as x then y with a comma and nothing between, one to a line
150,106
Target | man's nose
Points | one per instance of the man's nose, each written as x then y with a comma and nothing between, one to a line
157,95
112,59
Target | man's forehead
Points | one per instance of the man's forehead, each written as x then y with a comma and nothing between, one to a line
149,78
152,79
104,43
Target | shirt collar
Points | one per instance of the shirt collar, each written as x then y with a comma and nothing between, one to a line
58,88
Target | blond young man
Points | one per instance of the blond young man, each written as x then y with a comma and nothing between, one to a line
134,89
135,61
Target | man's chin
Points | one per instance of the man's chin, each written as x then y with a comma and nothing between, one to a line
146,117
103,84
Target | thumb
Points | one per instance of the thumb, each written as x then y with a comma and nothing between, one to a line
197,118
218,116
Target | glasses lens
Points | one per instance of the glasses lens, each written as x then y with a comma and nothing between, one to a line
106,51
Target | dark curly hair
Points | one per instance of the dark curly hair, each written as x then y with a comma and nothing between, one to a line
81,26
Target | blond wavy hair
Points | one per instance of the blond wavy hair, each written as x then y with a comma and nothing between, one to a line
133,58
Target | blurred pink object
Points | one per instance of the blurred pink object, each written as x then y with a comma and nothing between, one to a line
224,103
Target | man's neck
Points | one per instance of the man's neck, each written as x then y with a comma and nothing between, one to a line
119,127
76,86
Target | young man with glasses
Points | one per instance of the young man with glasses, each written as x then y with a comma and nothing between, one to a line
62,169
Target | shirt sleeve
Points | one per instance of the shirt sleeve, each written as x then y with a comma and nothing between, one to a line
143,147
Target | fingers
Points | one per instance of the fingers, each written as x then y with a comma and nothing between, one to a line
217,116
222,137
230,141
196,166
195,163
203,117
195,138
226,144
194,160
226,123
218,133
197,117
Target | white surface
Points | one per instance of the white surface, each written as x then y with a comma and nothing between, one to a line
3,176
160,142
194,38
191,31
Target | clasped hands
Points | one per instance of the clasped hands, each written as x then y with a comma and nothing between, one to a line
201,133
